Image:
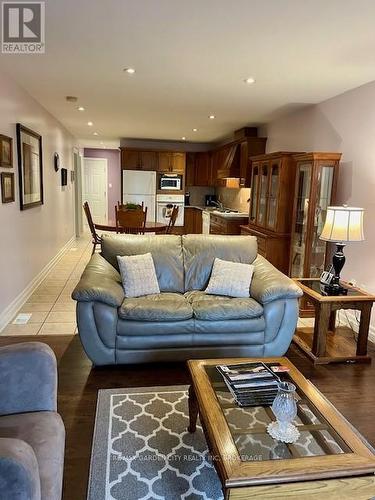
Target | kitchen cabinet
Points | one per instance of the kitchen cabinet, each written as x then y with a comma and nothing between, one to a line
226,225
171,162
192,220
199,170
132,159
190,170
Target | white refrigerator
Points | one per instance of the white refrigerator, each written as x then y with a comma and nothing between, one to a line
138,186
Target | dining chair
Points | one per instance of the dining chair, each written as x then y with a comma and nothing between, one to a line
172,220
96,240
122,206
130,221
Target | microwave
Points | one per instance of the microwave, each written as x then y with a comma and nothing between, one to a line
171,181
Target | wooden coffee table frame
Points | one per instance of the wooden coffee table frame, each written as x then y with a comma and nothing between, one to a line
235,473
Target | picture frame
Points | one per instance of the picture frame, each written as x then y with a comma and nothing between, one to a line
30,167
7,187
6,151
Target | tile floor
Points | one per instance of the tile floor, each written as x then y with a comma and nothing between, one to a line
52,309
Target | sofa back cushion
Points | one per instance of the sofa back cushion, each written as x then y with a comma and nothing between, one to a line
200,252
166,252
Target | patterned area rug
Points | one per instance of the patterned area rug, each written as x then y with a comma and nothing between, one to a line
142,449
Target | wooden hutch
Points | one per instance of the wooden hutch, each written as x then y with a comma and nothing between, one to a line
289,200
271,205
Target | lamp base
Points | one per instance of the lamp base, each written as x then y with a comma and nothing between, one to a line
338,261
335,289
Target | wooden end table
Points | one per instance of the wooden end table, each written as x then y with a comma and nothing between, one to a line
329,460
326,307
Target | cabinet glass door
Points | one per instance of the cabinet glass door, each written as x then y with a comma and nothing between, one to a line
263,194
323,199
254,193
273,196
298,241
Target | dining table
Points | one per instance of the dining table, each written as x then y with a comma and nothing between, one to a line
150,227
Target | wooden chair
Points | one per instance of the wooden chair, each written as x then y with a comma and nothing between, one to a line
122,206
96,240
130,221
172,220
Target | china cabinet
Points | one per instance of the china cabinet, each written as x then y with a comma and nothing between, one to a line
315,190
271,205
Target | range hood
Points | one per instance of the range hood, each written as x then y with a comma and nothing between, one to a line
230,168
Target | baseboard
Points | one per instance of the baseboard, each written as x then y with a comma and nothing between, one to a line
348,318
10,311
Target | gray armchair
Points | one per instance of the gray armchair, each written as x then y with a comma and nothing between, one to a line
32,433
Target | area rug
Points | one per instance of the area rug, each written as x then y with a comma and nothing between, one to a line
142,449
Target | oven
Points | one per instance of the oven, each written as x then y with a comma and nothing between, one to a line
164,205
171,181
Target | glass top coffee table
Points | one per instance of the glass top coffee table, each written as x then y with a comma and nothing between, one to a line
245,455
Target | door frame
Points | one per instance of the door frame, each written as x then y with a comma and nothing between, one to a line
106,180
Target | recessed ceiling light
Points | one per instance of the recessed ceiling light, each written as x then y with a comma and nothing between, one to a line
212,117
101,142
183,138
95,133
195,130
81,108
131,71
249,80
90,124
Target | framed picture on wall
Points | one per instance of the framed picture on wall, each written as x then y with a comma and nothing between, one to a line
6,151
30,167
7,187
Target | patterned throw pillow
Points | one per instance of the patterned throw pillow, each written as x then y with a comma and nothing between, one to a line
138,275
230,278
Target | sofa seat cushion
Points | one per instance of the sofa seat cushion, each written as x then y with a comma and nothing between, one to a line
157,307
217,308
44,431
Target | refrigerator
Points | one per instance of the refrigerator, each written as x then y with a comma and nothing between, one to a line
138,186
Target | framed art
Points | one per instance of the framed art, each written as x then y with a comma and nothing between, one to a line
7,187
6,151
30,167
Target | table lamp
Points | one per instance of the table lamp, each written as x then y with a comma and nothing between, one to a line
342,224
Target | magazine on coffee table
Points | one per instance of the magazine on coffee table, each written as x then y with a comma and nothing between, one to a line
252,384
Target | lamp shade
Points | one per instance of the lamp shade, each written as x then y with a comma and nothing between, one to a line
343,224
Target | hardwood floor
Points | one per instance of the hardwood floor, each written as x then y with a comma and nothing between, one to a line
349,387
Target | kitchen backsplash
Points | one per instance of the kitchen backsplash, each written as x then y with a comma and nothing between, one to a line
234,198
197,195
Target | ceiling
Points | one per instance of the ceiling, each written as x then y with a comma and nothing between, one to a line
191,58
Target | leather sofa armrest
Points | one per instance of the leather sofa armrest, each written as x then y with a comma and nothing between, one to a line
100,282
28,373
269,284
19,471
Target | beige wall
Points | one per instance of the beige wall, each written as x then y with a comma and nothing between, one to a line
30,239
346,124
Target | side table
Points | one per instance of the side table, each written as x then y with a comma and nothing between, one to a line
326,307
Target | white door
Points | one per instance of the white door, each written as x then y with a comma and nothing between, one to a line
94,189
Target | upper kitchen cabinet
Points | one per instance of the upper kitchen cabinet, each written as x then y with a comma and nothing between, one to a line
190,170
172,162
133,159
203,169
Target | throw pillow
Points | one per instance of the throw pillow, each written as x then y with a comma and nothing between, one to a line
230,278
138,275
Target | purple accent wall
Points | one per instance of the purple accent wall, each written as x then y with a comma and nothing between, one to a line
114,176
